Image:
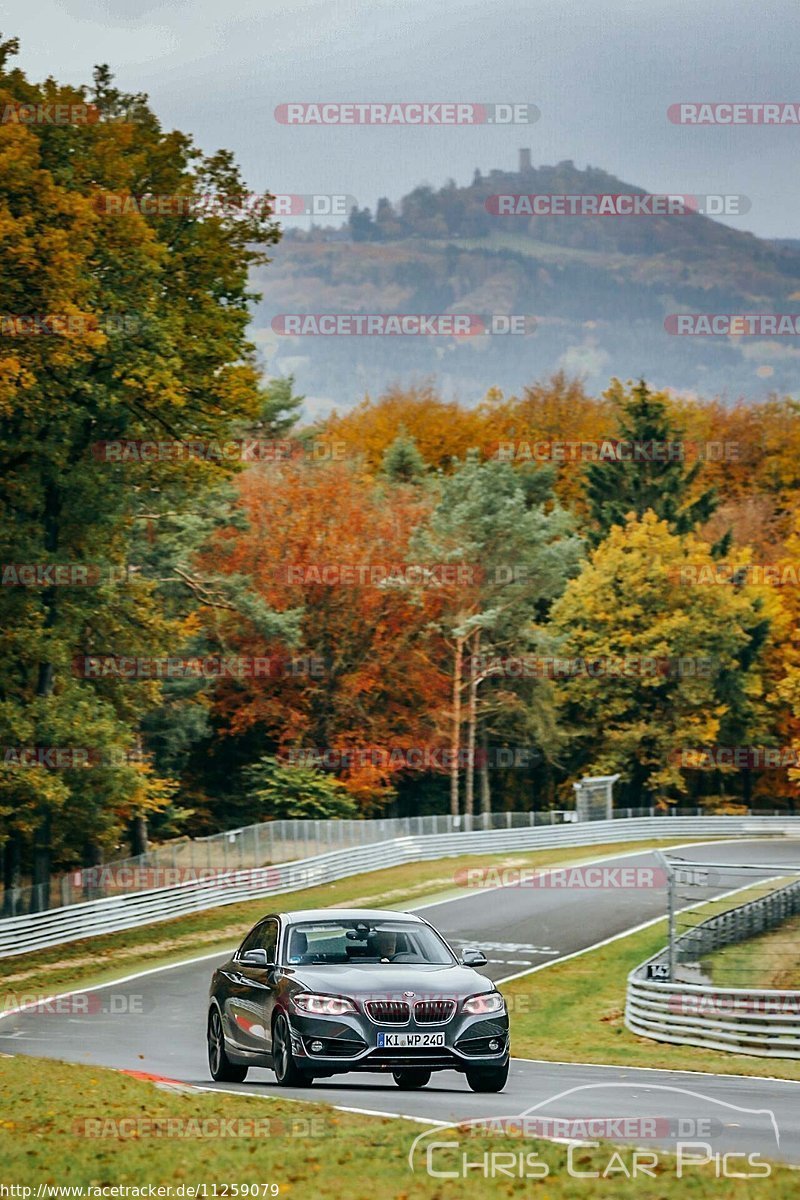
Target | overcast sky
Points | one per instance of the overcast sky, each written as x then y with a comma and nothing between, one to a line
602,72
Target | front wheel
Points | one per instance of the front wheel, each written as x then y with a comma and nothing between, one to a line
221,1068
411,1078
287,1072
488,1079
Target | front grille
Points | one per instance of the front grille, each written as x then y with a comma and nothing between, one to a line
388,1012
433,1012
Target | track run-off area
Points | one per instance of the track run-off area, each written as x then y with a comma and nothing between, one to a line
160,1030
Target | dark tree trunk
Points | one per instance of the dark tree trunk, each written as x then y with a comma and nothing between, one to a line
138,835
472,725
486,793
40,892
11,873
90,875
455,727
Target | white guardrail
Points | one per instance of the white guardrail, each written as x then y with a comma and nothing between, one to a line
761,1021
36,931
757,1021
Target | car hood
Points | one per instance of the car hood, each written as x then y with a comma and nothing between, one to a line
390,981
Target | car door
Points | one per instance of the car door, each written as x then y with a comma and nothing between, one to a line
251,998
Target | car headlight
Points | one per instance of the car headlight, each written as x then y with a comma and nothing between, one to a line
486,1002
323,1006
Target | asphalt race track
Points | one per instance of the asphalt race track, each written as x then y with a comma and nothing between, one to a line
160,1028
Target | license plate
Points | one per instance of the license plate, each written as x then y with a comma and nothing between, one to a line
407,1041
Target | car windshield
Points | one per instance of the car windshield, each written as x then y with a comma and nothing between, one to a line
352,942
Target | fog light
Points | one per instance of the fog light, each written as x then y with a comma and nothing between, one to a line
494,1044
317,1046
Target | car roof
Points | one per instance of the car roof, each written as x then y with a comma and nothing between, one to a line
347,914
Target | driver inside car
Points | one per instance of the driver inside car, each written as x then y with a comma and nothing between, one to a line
385,944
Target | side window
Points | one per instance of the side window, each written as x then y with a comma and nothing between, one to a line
252,941
268,938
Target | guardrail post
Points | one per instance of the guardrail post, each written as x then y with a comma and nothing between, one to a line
670,912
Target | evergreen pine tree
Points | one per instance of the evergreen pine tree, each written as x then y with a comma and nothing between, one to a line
660,481
402,462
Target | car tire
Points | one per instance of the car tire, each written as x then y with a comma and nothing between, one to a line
287,1072
488,1079
411,1078
220,1066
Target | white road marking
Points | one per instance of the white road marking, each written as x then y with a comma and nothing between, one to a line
507,979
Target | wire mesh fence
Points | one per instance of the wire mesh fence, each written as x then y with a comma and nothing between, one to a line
184,860
733,925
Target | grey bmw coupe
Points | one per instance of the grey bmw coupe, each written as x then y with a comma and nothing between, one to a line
322,992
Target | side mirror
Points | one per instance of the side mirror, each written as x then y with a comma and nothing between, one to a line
256,958
473,958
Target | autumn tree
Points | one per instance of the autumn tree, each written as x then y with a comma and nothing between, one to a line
668,664
123,323
442,431
524,429
295,791
516,556
359,680
782,784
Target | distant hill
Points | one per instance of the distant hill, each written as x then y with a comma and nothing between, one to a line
599,287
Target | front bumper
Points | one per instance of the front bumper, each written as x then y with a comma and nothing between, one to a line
350,1043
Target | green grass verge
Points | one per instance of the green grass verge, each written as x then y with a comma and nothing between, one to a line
102,959
573,1012
308,1150
771,960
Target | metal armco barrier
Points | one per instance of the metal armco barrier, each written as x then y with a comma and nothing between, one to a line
758,1021
269,842
741,923
21,935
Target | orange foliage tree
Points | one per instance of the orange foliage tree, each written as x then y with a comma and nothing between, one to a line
442,430
359,686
